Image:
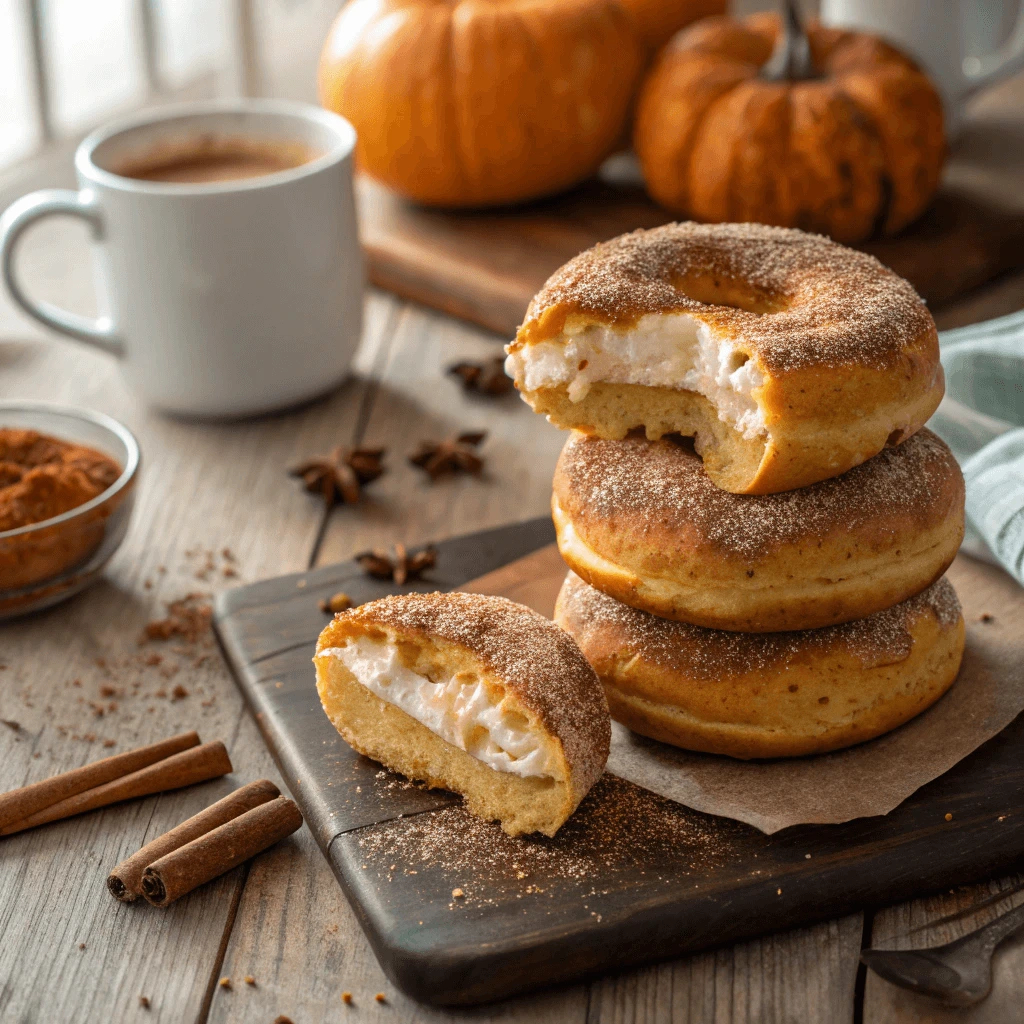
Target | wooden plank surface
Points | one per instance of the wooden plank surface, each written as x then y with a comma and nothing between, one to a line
283,919
933,922
61,667
485,266
631,878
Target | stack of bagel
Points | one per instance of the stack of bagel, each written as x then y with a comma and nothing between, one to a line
755,519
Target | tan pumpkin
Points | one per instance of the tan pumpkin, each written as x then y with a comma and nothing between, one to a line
659,20
467,103
854,149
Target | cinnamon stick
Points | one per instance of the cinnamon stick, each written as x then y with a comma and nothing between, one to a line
125,881
209,856
197,764
19,804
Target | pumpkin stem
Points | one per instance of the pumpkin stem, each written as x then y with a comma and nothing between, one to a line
791,58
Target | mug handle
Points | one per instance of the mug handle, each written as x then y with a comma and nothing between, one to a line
979,72
15,221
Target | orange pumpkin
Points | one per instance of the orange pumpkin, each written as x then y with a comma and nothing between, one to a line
468,103
853,148
659,20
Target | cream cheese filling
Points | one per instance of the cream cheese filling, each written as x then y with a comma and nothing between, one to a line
458,709
666,350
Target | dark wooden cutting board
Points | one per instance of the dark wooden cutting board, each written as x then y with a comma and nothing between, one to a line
486,266
631,878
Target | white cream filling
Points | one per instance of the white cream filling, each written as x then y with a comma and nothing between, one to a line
459,710
673,350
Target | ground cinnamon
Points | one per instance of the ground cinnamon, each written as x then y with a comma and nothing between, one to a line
42,476
125,881
211,855
23,803
197,764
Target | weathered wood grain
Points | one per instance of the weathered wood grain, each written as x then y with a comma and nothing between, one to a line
933,922
296,934
202,488
806,975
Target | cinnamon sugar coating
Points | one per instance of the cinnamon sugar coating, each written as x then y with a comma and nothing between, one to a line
661,488
528,654
880,639
808,302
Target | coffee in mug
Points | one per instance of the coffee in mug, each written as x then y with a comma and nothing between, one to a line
226,249
208,158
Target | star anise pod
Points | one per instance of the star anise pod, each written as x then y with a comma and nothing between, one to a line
487,378
457,454
338,477
401,566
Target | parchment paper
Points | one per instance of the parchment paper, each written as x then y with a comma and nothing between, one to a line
865,780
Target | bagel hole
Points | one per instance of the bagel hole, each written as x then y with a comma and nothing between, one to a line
723,291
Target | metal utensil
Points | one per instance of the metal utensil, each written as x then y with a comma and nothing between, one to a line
958,973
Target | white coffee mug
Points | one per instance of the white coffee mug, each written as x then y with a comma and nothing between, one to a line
224,298
938,34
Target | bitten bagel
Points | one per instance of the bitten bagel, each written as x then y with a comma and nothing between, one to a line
790,359
469,693
767,694
641,521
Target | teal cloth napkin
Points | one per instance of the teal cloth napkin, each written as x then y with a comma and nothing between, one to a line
982,420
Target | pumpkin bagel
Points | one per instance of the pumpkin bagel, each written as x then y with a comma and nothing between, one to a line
767,695
787,357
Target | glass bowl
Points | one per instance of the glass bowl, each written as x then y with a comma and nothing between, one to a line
49,561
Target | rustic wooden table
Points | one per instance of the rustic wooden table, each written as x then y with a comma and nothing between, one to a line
71,953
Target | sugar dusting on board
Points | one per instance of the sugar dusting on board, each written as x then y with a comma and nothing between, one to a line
618,829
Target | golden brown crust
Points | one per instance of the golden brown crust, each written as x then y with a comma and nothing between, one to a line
772,695
537,662
642,521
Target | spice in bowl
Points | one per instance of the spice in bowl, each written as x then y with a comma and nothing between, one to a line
66,490
42,476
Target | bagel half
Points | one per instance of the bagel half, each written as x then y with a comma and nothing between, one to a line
474,694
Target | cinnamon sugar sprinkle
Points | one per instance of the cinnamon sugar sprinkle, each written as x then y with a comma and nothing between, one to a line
880,639
833,306
617,829
662,486
528,653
